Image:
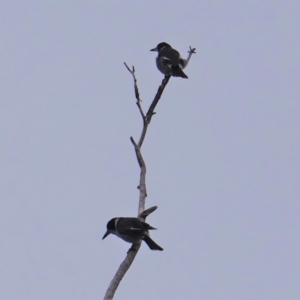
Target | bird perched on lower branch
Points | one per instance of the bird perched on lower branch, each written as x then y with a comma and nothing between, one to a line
169,61
131,230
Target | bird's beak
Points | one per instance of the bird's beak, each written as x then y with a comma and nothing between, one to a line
106,234
154,49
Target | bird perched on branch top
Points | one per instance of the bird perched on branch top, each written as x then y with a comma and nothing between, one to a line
131,230
169,61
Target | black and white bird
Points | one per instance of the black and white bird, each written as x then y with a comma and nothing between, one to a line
131,230
169,61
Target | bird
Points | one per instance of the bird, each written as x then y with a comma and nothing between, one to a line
169,61
131,230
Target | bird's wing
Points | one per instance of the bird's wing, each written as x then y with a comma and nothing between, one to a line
170,56
130,226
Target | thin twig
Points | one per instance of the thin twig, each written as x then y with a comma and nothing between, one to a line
136,90
147,212
191,52
138,103
160,90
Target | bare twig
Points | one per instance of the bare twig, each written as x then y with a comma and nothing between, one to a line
191,52
138,103
136,90
160,90
147,212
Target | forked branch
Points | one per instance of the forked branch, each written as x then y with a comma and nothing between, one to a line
142,213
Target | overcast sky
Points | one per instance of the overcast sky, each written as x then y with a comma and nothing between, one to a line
222,152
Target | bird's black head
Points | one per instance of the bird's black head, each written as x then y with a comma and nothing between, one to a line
111,227
160,46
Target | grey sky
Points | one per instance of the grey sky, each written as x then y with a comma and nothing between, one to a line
222,151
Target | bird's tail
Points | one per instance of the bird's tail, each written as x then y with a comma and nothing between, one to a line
151,244
177,72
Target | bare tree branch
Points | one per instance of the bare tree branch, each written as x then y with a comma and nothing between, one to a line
125,265
138,103
142,184
142,213
136,90
160,90
191,52
147,212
